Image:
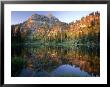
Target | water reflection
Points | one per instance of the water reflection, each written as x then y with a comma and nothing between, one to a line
44,61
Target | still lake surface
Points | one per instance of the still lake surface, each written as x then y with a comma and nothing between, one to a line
49,61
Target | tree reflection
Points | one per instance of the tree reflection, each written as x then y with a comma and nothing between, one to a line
45,58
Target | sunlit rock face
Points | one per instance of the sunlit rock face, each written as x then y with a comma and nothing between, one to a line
40,23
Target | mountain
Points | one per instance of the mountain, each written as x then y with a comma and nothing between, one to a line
48,27
36,21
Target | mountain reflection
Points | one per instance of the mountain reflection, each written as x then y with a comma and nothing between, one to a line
47,61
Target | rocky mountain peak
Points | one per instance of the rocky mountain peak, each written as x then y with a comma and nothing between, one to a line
49,15
44,18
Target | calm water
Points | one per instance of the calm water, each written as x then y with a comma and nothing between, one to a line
44,61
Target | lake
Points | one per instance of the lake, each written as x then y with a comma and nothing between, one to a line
55,61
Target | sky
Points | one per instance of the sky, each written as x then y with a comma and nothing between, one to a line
64,16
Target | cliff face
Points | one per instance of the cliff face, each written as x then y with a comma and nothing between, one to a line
52,27
87,25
